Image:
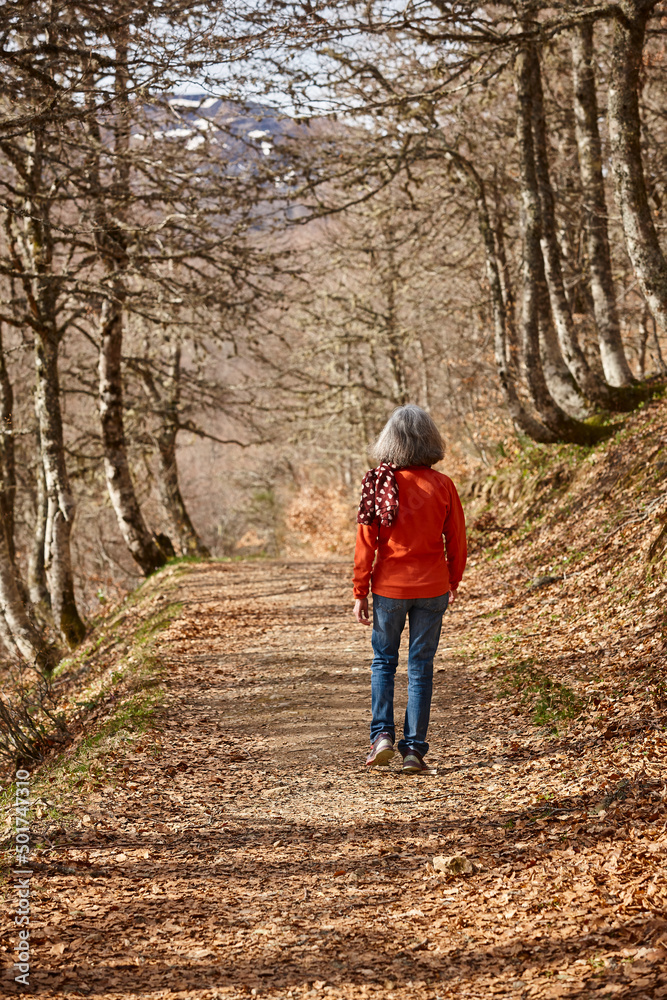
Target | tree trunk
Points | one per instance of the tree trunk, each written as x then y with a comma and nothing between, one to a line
424,384
565,428
589,147
170,491
7,456
41,288
506,288
8,470
558,377
523,422
643,342
395,342
60,502
172,499
112,247
7,639
586,379
662,367
37,588
641,238
648,328
560,383
138,538
19,630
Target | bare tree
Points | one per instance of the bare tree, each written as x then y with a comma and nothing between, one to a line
584,376
503,320
108,208
533,279
7,455
589,147
630,23
164,389
31,249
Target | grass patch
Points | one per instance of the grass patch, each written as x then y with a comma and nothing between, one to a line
548,701
112,693
156,623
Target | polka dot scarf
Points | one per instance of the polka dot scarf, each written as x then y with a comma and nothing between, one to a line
379,496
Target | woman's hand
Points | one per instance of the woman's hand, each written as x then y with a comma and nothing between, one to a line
361,611
452,598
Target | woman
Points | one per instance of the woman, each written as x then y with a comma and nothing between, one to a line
406,508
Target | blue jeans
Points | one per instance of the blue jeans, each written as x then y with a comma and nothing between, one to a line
425,617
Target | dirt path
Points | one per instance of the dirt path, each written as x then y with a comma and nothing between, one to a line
245,850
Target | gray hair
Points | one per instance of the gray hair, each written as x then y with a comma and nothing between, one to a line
410,437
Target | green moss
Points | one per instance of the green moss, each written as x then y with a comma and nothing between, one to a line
548,700
157,622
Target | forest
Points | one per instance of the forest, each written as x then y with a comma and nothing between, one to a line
235,238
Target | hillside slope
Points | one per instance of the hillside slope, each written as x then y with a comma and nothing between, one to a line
572,545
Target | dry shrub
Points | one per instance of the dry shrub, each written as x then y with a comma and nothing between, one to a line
320,521
29,721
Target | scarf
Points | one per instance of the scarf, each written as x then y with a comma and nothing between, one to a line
379,496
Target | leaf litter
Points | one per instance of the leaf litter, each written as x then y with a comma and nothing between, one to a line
241,848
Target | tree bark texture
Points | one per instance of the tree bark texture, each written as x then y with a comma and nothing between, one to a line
190,543
589,148
19,632
138,538
7,639
641,238
557,375
565,428
37,587
586,379
60,503
7,456
171,497
507,289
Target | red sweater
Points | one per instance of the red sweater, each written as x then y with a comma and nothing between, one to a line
411,560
